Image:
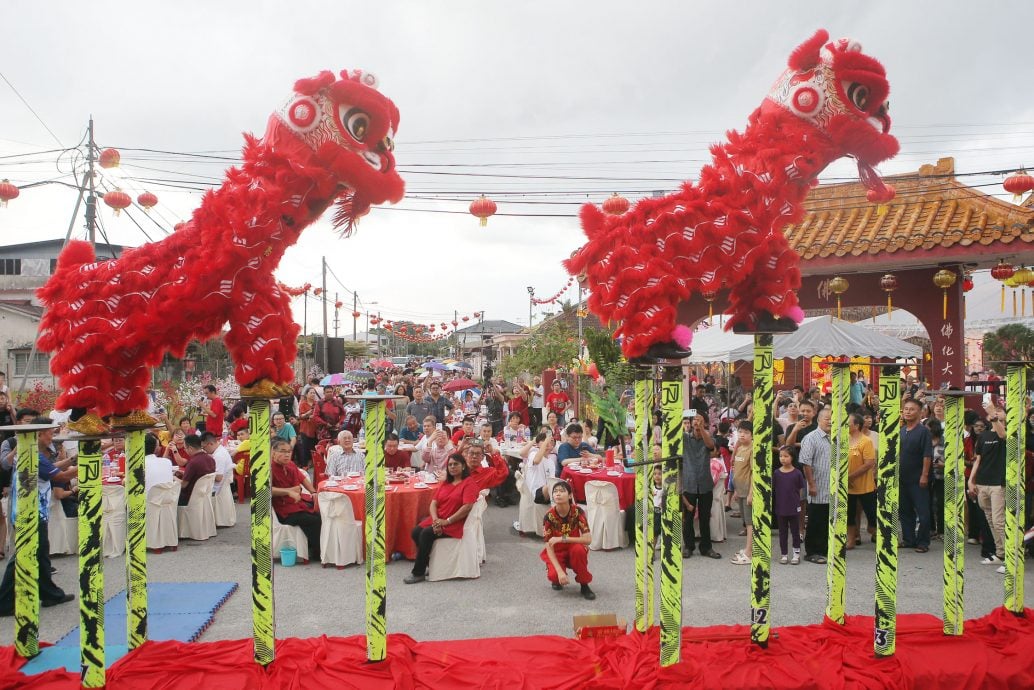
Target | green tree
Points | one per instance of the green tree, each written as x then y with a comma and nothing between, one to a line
356,349
1009,343
605,351
551,345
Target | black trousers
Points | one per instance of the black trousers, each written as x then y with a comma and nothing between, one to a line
311,523
535,417
816,537
702,509
424,538
868,502
48,591
303,447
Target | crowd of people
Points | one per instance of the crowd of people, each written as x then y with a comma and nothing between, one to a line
458,438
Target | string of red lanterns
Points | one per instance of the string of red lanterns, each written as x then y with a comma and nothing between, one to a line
556,297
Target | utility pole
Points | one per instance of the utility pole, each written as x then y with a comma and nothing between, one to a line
456,331
355,308
305,335
323,295
531,302
91,200
336,314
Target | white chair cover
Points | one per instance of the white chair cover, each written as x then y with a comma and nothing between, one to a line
482,551
529,513
197,519
718,527
162,531
63,532
289,535
606,523
341,541
114,518
452,558
223,506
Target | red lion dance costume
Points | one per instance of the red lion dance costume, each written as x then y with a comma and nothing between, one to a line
108,322
727,230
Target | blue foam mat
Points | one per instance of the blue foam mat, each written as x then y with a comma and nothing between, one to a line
176,611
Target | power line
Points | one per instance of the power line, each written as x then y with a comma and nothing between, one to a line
31,109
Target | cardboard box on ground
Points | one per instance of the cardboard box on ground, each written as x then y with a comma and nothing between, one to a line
599,625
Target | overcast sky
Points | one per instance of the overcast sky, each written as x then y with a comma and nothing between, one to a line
530,96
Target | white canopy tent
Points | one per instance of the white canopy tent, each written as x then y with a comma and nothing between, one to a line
818,336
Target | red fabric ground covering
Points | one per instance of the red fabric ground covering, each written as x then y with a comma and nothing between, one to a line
997,651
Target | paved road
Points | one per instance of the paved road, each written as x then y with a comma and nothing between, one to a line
512,597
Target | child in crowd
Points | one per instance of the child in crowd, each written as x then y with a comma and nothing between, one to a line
589,436
937,478
787,483
567,536
743,456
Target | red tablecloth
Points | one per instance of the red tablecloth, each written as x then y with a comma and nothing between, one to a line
625,483
404,506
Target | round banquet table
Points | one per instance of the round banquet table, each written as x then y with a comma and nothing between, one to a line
404,506
625,483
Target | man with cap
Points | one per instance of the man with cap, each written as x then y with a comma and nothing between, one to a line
485,471
697,483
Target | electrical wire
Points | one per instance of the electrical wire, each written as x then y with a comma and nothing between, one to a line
31,109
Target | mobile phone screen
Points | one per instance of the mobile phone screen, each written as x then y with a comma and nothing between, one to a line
438,426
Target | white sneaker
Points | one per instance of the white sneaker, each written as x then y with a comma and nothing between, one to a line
784,560
991,560
1000,570
971,540
517,525
796,558
741,558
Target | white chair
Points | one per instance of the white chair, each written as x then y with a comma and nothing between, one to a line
162,530
114,519
341,541
529,513
62,532
223,506
482,551
452,558
289,535
196,520
606,519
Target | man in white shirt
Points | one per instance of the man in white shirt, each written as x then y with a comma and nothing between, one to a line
156,470
223,462
538,400
345,457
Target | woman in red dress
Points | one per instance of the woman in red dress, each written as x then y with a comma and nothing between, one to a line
452,501
518,402
290,506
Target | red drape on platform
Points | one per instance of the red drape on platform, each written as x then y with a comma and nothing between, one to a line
997,651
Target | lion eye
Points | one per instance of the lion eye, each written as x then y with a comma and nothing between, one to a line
356,122
859,95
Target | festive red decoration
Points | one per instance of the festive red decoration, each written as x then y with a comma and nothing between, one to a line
729,226
146,200
109,158
554,298
465,319
106,334
1018,184
317,292
355,315
338,304
483,208
1003,272
616,205
967,283
455,323
117,200
8,192
477,315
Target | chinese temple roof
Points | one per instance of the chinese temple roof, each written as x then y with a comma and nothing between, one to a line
933,219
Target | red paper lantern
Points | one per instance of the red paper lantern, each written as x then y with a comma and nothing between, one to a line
1003,272
147,200
616,205
110,158
318,291
444,325
967,283
466,319
117,200
483,208
356,315
455,323
7,192
387,327
477,315
1018,184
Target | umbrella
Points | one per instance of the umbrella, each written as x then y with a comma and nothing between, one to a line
459,384
335,380
360,375
461,365
385,363
436,366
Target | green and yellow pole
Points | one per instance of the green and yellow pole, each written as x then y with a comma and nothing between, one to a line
376,578
91,570
1015,444
761,493
884,636
836,558
954,507
136,541
26,546
671,516
263,624
644,536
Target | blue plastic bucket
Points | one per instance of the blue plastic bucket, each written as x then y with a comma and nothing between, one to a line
288,556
